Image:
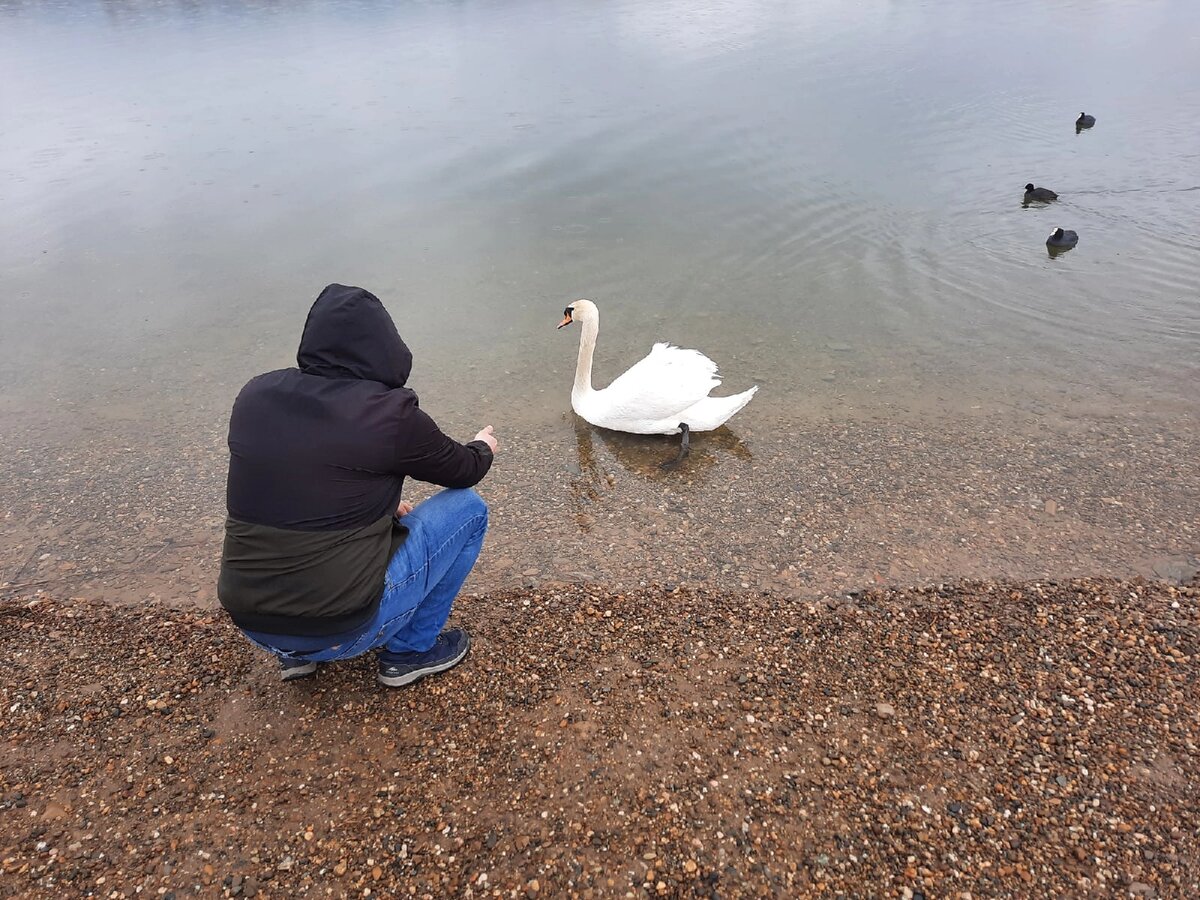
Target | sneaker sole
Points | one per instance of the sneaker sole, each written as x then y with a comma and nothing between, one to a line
298,672
418,674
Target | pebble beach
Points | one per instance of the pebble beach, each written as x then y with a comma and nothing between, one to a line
966,740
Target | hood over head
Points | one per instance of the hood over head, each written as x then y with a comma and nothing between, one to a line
349,334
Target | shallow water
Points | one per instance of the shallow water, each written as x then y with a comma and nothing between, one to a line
826,199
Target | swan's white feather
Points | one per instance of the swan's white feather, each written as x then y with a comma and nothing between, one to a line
713,412
663,383
668,386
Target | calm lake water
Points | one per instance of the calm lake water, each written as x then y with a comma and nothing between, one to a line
824,196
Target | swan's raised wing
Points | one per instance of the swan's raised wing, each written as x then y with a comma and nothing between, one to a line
667,381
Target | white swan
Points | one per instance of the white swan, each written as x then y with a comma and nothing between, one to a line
665,393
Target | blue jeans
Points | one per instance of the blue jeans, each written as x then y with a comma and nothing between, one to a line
422,579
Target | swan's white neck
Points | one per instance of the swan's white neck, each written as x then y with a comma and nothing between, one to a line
589,329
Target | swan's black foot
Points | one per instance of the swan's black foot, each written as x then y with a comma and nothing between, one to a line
685,447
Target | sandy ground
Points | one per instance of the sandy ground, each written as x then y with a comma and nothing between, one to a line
980,739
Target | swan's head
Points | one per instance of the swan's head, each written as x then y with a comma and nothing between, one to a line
1029,187
581,311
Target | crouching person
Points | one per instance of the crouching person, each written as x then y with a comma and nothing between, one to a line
322,559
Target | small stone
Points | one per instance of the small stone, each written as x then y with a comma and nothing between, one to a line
533,886
885,710
1050,507
689,866
1141,889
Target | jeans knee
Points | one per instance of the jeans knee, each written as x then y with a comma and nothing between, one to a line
478,507
471,505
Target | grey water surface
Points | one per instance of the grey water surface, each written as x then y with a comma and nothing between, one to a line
824,196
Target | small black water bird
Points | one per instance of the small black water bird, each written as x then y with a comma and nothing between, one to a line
1061,239
1085,121
1038,195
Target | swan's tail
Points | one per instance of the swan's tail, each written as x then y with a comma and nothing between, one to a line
713,412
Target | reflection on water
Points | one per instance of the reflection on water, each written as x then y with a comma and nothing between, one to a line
601,452
180,180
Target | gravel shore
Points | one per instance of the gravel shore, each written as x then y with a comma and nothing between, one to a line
978,739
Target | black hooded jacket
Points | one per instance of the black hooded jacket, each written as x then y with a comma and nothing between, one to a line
317,461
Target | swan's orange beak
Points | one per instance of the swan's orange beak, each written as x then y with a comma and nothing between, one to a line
567,320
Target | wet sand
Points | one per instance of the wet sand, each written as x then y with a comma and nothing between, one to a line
971,740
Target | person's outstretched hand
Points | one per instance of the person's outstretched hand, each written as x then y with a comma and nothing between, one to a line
403,509
488,437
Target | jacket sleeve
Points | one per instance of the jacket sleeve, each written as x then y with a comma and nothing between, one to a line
429,455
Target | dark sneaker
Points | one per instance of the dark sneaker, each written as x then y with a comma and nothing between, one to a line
399,669
291,669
